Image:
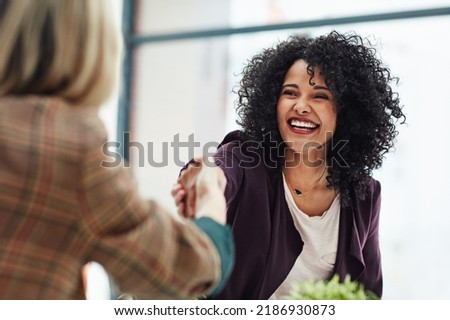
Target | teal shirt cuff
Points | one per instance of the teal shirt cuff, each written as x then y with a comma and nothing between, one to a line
222,238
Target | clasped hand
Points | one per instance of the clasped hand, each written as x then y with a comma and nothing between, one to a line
199,191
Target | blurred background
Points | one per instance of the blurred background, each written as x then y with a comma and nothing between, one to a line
182,59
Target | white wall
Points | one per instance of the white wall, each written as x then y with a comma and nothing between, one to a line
179,90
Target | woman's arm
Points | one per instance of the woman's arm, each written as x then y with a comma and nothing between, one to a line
147,251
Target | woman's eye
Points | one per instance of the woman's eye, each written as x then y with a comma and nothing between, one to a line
321,96
289,93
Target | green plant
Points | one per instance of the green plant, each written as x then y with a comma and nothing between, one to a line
331,290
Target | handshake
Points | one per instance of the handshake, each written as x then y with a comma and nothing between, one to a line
199,191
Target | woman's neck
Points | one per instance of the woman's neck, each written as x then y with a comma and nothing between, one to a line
308,162
307,170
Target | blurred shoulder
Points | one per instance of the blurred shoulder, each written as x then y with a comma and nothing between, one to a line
237,143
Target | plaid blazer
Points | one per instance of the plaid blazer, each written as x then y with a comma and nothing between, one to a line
59,209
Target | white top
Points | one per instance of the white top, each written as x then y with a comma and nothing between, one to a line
320,237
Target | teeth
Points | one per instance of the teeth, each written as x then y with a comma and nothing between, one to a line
303,124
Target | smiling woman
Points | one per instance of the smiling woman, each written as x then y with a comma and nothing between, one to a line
323,110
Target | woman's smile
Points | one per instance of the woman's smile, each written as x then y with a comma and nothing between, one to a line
304,126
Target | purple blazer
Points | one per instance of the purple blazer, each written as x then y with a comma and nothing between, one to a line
267,242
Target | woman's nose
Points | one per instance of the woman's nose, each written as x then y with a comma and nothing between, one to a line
302,106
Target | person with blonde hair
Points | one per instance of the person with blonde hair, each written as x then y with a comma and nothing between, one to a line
59,207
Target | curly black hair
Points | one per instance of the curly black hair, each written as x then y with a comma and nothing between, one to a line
367,107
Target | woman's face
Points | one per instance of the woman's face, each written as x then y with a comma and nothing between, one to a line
306,112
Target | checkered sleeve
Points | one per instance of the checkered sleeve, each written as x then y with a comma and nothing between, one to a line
147,251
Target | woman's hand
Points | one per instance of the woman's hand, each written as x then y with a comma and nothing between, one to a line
199,191
179,196
183,191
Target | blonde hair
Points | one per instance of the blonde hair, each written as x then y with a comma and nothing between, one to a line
66,48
